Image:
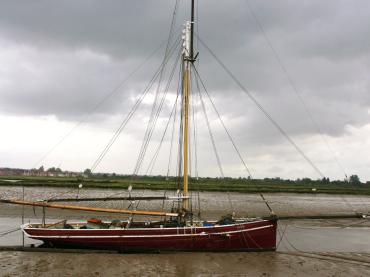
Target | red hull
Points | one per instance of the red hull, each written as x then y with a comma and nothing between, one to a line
246,236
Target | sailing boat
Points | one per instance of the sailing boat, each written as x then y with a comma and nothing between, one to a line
179,231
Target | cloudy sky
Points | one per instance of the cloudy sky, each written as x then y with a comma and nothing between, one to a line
306,62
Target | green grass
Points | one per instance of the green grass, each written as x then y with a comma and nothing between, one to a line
203,184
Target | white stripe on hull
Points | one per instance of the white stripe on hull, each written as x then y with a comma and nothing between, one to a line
149,236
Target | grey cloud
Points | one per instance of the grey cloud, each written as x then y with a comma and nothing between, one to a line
119,28
322,44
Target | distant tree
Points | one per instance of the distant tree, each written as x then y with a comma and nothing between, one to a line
87,172
326,180
51,169
58,170
354,179
41,168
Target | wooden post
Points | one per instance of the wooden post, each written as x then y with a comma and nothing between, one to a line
23,215
43,217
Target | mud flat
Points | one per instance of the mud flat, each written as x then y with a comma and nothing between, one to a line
309,247
197,264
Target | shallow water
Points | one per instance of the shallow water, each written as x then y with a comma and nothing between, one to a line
211,204
324,239
309,235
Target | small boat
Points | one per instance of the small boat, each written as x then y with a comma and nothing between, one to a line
178,230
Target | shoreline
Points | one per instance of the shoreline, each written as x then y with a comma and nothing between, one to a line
334,190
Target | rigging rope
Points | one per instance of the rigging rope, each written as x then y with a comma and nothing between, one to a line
7,232
174,123
155,156
260,107
211,135
195,143
299,95
213,141
131,113
195,138
230,137
222,123
153,121
159,109
180,143
101,102
155,111
294,87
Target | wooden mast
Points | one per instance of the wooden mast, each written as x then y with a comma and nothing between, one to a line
188,58
186,133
